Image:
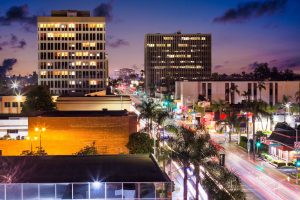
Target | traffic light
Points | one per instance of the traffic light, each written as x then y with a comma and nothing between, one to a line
258,144
297,162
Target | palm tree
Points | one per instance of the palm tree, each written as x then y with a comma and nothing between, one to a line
246,95
233,89
203,152
260,86
286,103
181,145
258,109
219,106
148,111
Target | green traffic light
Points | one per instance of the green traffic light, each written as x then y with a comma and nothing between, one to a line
298,163
258,144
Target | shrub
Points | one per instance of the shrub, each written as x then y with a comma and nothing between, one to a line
140,143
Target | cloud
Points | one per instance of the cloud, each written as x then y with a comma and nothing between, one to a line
21,44
287,63
251,9
104,10
19,14
7,65
13,42
218,67
250,67
117,43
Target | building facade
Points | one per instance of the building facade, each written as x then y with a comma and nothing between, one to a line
15,128
11,104
71,52
105,177
170,57
93,103
66,132
189,92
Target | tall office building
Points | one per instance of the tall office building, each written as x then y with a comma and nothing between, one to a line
71,52
171,57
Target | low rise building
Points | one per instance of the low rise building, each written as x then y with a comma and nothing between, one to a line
191,91
13,127
83,177
11,104
66,132
93,103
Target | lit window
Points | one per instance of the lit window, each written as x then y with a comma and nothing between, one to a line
203,38
50,35
72,73
93,82
189,56
71,25
168,45
170,55
85,44
182,45
195,38
85,53
99,25
93,63
43,73
92,44
150,45
160,45
72,63
78,63
168,38
71,82
185,38
78,53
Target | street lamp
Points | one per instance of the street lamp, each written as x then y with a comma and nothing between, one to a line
40,130
14,85
30,139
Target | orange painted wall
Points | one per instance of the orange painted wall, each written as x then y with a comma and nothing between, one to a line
67,135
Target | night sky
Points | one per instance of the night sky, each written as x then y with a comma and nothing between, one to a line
243,32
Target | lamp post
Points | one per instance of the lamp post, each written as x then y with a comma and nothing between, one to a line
30,139
40,130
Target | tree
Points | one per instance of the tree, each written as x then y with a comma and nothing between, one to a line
140,143
38,152
260,86
261,71
38,100
88,150
246,95
181,145
258,109
202,153
148,111
219,106
233,89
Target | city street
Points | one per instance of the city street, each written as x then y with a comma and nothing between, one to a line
260,179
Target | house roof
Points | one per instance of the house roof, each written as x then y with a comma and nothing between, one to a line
62,169
285,137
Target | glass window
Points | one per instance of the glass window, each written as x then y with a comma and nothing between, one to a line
80,191
97,190
2,192
15,104
130,190
147,190
30,191
13,191
114,190
7,104
47,191
64,191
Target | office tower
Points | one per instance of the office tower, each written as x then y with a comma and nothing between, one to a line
71,52
171,57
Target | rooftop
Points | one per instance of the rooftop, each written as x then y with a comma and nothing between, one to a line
85,113
61,169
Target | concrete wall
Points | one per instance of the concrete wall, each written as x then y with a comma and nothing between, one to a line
20,124
67,135
188,92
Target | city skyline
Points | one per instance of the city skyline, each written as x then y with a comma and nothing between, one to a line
243,32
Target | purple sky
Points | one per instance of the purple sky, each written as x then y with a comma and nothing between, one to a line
243,32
